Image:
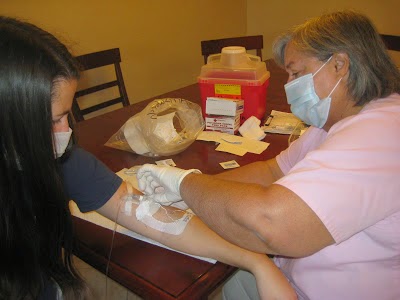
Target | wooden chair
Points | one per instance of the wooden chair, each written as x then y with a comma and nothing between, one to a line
254,42
392,42
96,60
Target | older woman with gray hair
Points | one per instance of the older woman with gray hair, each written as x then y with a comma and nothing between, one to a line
328,206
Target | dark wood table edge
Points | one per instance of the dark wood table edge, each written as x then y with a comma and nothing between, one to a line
141,287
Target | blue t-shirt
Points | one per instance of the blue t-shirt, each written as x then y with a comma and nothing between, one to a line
87,181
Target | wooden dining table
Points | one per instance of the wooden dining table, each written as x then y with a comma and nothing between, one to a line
150,271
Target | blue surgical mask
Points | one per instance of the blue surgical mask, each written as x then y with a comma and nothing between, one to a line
304,101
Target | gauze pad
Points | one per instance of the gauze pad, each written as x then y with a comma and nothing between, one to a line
251,129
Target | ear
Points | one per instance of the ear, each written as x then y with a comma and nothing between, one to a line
342,63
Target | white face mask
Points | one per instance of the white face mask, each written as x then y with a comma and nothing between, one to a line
61,141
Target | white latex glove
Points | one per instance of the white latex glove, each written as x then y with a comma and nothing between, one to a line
162,183
181,205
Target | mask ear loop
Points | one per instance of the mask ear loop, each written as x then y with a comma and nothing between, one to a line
322,66
337,83
334,88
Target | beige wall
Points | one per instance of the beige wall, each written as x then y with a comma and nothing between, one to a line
160,40
270,18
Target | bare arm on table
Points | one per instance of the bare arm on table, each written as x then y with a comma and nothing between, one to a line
261,172
246,208
198,239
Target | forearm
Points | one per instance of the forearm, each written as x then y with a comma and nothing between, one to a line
230,208
199,239
271,282
269,219
262,172
196,239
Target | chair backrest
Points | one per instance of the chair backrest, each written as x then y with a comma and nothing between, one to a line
392,42
96,60
254,42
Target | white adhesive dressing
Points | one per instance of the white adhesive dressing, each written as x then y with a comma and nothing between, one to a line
146,210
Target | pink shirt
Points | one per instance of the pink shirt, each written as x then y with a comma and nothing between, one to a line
350,177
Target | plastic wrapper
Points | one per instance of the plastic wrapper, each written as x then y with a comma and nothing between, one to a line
164,127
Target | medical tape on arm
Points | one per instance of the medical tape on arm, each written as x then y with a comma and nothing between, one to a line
145,213
147,208
129,199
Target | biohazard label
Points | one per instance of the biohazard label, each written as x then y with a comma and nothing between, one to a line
233,91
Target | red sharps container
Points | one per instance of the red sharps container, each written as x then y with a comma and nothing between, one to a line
235,74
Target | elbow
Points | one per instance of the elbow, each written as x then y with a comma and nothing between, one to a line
263,231
271,234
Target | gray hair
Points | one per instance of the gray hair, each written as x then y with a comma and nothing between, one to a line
372,72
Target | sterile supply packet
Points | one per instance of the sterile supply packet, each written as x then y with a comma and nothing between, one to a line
280,122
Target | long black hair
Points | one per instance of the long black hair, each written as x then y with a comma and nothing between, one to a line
35,222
